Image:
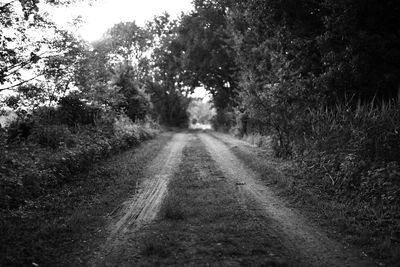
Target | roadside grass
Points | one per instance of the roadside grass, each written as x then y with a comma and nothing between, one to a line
202,222
63,227
343,219
258,140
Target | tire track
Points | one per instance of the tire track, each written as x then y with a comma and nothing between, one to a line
306,242
143,207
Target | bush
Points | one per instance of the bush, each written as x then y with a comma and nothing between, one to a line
19,130
350,158
72,111
224,120
52,136
124,128
29,170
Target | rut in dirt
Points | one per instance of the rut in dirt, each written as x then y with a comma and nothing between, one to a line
144,205
308,244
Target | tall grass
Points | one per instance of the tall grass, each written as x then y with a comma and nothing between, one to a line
257,139
349,145
369,131
353,155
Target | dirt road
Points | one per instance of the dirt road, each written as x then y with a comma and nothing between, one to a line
144,205
199,205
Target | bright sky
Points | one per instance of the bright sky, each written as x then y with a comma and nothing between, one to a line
201,92
103,14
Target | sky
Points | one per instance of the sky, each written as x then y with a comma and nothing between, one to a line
201,92
103,14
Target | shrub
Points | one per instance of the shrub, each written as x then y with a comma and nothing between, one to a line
72,111
224,120
137,106
20,129
124,128
52,136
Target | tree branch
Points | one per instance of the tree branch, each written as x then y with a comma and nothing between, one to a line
19,84
16,67
29,61
2,8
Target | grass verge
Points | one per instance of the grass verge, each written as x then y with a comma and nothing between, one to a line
343,219
62,227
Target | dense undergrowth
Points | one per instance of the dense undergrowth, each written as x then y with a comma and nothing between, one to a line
349,158
354,157
42,151
44,158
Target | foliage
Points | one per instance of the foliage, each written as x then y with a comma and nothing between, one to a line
72,111
288,56
321,78
224,120
168,92
368,135
128,40
19,129
208,57
358,48
201,112
118,72
303,72
32,162
136,103
127,78
52,136
21,49
84,103
170,105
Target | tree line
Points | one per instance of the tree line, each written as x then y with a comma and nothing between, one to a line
131,69
321,77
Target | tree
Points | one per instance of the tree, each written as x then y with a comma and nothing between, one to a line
128,41
119,68
19,49
208,58
135,102
166,87
360,48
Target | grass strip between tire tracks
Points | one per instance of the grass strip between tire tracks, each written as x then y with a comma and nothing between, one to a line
203,223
